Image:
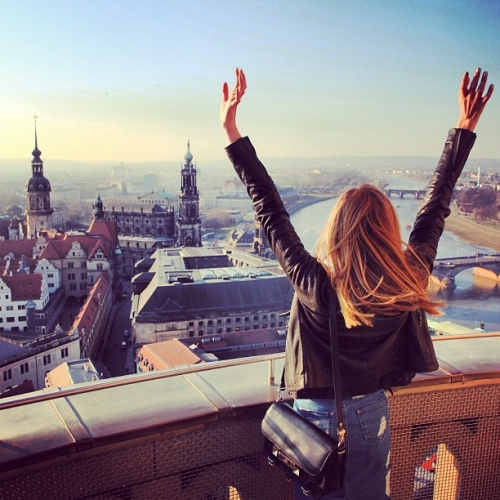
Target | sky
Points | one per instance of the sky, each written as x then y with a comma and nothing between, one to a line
128,81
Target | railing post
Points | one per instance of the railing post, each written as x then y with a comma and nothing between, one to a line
271,371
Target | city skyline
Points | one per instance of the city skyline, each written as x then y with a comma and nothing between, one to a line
121,81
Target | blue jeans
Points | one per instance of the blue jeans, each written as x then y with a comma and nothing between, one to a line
366,419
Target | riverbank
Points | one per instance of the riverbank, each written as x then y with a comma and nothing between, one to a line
305,201
476,233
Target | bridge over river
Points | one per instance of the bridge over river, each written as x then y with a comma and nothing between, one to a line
417,193
446,269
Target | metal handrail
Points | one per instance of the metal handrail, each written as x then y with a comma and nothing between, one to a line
137,378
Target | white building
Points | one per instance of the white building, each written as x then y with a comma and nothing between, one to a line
51,273
24,358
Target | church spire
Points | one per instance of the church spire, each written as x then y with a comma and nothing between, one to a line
39,212
37,162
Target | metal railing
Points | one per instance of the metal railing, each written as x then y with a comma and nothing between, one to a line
194,433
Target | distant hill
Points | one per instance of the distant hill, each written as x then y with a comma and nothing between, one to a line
13,168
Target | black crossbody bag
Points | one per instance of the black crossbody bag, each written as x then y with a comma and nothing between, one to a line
307,455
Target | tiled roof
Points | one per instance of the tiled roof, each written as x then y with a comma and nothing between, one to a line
9,350
59,248
175,302
15,264
24,286
17,247
168,354
106,229
87,315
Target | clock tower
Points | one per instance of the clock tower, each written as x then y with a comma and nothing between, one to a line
39,211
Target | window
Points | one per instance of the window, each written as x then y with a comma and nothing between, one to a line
83,276
191,323
64,352
7,374
83,286
72,287
46,359
9,308
83,265
71,276
11,319
25,368
100,267
50,275
21,318
71,265
20,308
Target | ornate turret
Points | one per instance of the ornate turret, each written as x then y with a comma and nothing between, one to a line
98,208
39,211
189,222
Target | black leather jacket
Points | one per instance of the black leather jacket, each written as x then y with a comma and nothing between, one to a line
362,350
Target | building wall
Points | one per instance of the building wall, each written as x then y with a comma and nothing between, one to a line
234,203
144,223
97,306
13,313
148,333
51,273
37,361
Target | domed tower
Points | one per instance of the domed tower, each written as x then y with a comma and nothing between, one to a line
189,222
39,212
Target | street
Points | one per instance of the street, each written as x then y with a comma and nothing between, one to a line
117,360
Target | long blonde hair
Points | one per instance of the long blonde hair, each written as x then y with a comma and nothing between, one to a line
362,251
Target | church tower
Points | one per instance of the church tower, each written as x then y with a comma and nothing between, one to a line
189,222
98,208
39,212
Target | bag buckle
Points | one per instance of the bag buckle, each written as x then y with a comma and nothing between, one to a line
280,394
341,433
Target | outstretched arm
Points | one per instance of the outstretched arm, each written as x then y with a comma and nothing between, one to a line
471,100
229,105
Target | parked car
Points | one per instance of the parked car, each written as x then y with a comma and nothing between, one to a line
124,344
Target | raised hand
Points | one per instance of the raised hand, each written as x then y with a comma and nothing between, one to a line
229,105
471,100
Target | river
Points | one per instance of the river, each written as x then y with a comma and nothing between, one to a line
475,300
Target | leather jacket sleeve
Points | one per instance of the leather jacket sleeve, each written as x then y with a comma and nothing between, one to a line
429,222
300,267
364,352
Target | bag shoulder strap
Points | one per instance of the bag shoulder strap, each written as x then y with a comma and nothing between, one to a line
334,349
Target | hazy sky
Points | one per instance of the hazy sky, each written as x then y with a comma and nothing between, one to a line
129,80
